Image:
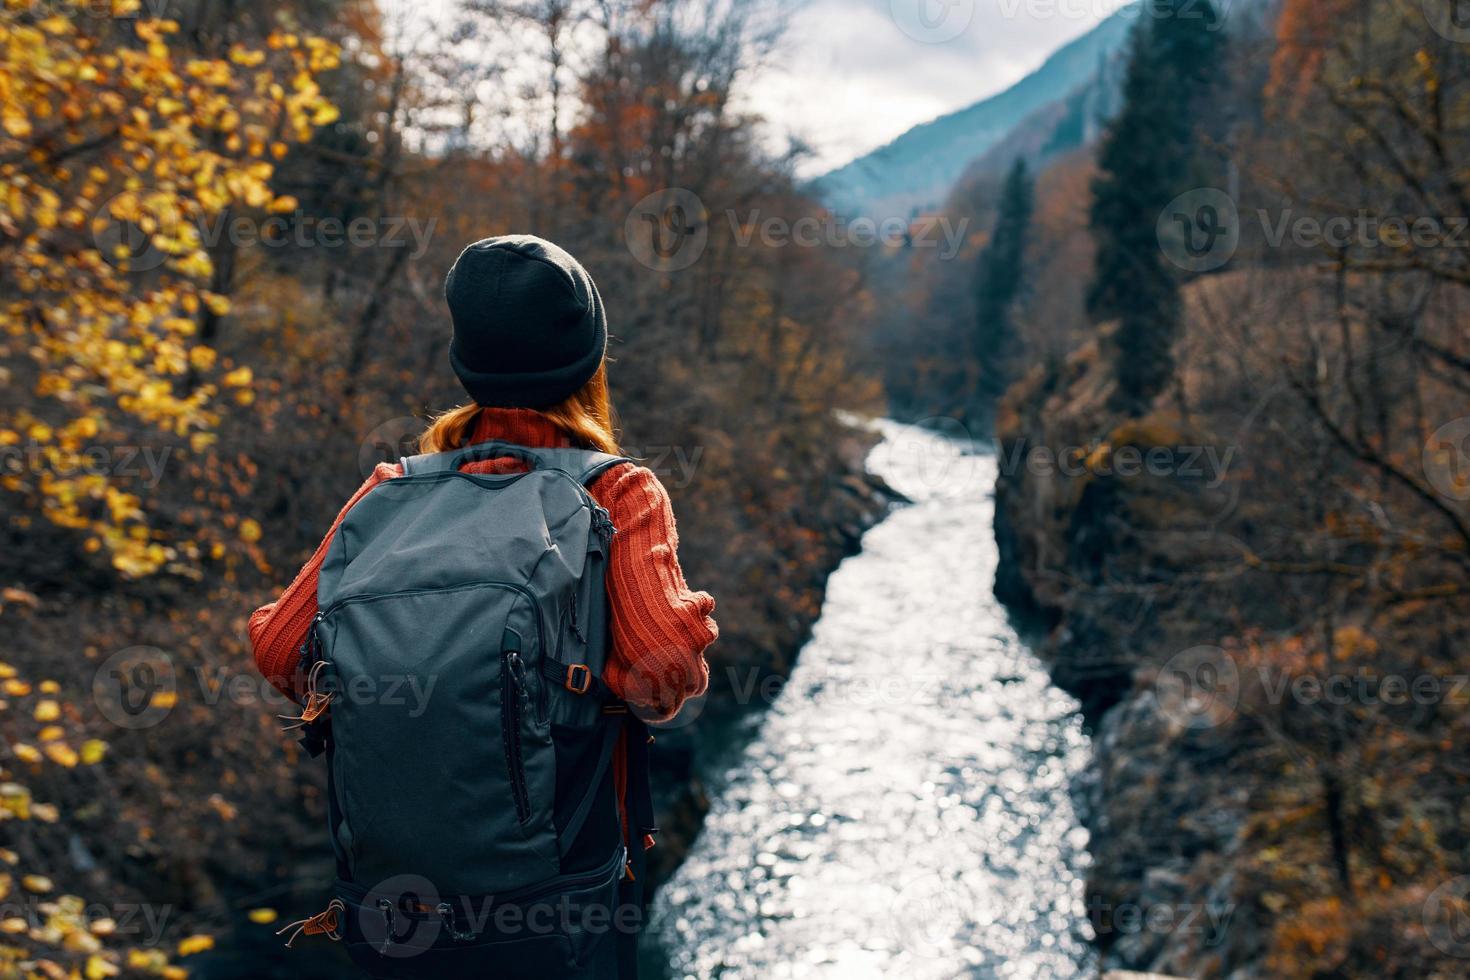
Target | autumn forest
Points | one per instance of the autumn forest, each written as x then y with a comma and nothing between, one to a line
224,228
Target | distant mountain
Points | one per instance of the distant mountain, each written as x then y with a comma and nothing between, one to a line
916,171
1056,128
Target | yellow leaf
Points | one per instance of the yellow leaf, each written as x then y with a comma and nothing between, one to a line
250,531
99,968
39,884
93,750
62,754
47,710
25,753
15,122
195,944
262,917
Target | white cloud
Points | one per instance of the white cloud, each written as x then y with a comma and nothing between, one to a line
850,75
847,78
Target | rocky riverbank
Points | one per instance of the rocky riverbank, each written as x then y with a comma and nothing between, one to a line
204,813
1240,826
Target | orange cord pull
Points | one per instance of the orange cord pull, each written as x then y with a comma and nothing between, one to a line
323,923
316,701
315,705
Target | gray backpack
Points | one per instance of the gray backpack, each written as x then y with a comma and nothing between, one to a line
454,683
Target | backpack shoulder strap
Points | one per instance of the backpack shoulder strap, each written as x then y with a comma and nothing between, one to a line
585,465
422,463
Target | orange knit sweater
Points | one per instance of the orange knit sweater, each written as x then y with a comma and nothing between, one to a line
660,628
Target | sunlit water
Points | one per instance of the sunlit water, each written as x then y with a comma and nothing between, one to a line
904,810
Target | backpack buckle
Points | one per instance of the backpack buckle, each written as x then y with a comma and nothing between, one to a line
579,679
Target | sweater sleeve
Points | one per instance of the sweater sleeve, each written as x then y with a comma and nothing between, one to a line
660,628
278,629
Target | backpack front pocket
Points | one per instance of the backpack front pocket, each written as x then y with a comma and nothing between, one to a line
433,727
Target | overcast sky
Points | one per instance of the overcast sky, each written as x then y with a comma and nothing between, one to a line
853,74
850,75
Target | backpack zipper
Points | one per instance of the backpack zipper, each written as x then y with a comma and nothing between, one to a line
513,697
525,592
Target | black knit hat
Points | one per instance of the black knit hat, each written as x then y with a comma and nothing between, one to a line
529,327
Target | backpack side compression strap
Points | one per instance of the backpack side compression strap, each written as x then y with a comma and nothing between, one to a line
585,465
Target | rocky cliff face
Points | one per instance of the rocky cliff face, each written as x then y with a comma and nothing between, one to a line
1085,552
1265,800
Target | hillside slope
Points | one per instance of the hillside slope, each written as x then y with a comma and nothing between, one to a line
916,171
